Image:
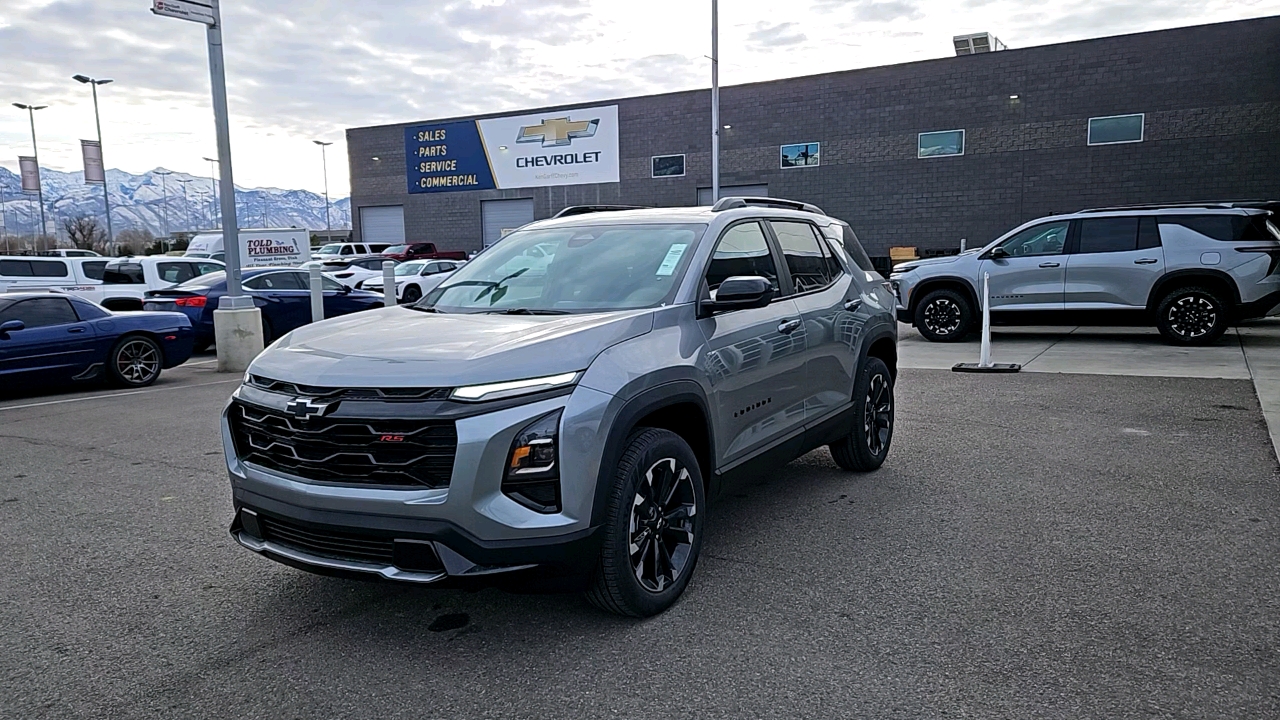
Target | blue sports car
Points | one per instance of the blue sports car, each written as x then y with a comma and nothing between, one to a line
50,337
282,294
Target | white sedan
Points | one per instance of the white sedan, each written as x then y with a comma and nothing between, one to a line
415,278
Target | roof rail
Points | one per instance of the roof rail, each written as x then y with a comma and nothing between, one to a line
584,209
1273,205
730,203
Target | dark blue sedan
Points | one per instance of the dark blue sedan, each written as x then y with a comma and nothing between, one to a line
283,295
50,337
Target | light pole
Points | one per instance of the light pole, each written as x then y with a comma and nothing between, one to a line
106,200
35,152
715,103
164,188
4,226
213,180
186,203
324,162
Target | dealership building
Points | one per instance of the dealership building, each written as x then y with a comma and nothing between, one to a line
923,154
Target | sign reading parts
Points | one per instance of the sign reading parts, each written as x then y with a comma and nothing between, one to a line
566,147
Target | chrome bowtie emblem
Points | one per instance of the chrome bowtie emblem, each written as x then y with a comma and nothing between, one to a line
307,408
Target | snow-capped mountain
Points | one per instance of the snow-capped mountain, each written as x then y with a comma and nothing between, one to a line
139,202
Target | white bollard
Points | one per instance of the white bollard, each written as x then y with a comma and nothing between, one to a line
388,283
962,244
984,364
317,295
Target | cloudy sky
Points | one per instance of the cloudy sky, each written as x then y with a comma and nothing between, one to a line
300,70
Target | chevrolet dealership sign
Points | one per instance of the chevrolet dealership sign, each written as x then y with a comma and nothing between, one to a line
566,147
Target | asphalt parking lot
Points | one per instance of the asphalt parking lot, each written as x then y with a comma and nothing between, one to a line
1037,545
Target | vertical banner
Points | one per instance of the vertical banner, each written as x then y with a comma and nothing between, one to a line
94,174
30,174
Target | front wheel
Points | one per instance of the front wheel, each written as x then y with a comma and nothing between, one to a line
653,529
865,448
135,361
412,294
943,316
1192,316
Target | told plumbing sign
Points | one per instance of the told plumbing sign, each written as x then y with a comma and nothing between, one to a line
563,147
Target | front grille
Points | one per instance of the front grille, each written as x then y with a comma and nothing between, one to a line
344,451
332,393
328,543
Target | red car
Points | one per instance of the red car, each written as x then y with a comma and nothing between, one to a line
421,251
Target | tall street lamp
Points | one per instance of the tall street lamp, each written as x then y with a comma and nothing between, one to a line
106,201
186,207
35,152
328,225
715,102
213,180
164,188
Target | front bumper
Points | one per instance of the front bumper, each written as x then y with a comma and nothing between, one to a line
470,527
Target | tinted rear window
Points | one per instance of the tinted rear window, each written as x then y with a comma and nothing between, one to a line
123,274
1228,228
33,268
94,270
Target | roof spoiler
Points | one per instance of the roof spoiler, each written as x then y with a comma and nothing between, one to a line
730,203
584,209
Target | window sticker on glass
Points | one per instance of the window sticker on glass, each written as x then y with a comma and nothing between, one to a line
672,259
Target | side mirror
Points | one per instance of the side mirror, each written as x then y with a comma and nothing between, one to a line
998,253
346,289
11,326
740,292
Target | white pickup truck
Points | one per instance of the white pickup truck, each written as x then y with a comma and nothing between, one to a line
113,283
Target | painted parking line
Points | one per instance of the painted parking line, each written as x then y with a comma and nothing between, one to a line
115,395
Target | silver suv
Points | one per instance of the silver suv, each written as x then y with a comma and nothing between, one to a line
568,419
1191,269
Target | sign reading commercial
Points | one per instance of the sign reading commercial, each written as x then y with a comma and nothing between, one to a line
30,174
567,147
94,174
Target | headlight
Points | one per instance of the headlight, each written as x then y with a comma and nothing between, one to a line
532,475
497,391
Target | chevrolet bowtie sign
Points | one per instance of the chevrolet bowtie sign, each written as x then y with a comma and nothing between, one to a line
564,147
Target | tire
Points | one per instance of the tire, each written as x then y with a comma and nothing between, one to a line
865,449
642,584
943,316
1192,315
412,294
135,361
268,332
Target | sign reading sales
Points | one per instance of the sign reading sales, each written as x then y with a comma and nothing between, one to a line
566,147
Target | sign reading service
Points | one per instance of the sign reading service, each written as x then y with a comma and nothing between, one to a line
568,147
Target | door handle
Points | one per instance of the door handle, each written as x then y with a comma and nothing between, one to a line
853,304
1049,264
789,327
75,330
1145,261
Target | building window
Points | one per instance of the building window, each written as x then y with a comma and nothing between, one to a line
668,166
1116,129
801,155
940,144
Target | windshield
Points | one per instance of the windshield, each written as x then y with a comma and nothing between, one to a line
577,269
409,268
204,281
395,249
331,249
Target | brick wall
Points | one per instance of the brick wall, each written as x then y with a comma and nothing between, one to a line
1211,95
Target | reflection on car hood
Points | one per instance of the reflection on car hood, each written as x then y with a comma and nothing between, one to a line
913,264
400,347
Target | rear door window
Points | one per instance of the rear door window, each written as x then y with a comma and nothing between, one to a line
1111,234
277,281
805,259
176,272
41,312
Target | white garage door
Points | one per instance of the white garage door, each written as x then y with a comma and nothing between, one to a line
382,224
500,217
704,194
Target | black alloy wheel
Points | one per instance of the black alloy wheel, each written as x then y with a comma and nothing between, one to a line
1192,316
943,316
653,526
866,447
412,294
135,361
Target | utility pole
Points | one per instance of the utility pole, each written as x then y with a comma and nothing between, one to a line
186,204
106,195
35,152
328,225
164,188
715,102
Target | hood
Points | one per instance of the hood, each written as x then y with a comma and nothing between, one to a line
945,260
399,347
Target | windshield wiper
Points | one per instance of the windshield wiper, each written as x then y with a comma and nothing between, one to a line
525,311
426,308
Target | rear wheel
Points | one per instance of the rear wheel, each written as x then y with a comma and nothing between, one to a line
867,446
135,361
944,316
1192,316
653,527
412,294
268,332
